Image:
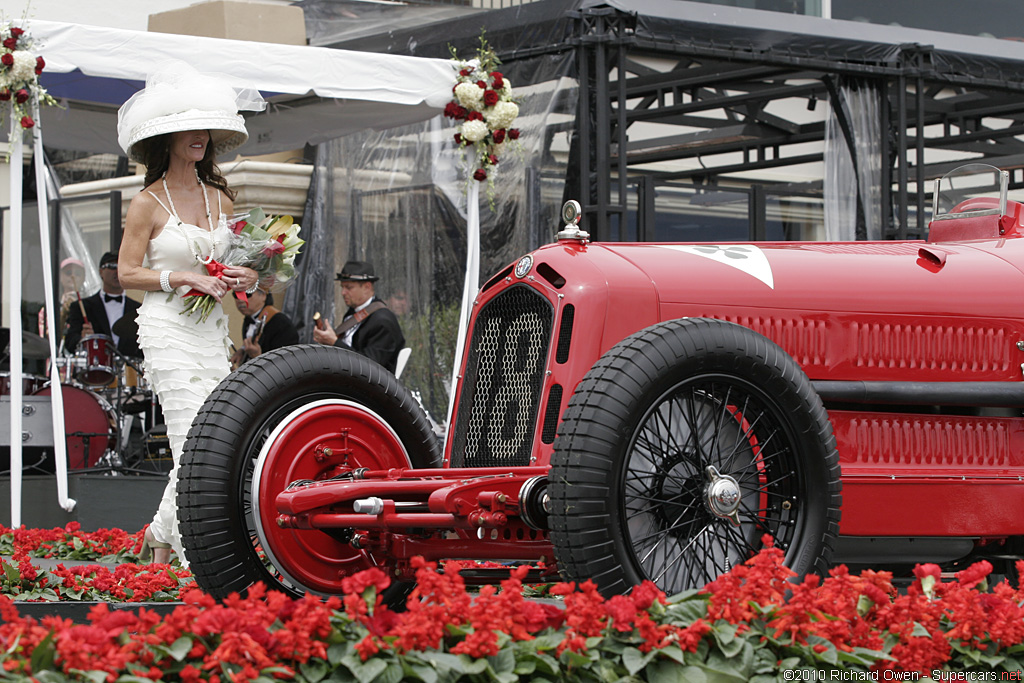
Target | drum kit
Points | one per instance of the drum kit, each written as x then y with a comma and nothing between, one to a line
106,400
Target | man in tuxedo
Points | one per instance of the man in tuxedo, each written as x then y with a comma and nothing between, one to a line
104,311
368,327
264,328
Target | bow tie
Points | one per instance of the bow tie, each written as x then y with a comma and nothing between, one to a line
109,297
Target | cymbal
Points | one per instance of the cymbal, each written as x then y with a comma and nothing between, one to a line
127,326
33,346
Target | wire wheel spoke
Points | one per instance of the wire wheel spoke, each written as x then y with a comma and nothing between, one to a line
679,539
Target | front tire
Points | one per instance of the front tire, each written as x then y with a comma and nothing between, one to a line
267,425
682,447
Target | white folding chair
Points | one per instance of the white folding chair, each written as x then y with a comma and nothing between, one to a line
403,358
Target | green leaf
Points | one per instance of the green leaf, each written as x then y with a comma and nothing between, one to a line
503,662
670,672
634,660
180,648
471,665
420,672
43,654
443,660
728,643
11,570
920,631
314,670
92,676
337,652
364,671
392,674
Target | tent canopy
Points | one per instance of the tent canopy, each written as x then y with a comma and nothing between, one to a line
314,93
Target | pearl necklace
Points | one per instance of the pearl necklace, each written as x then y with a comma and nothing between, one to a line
209,220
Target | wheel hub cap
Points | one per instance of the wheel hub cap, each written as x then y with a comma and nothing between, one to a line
723,495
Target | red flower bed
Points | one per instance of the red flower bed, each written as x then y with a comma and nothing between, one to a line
750,623
118,575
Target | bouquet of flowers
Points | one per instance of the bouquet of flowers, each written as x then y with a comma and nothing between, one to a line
19,74
267,244
484,104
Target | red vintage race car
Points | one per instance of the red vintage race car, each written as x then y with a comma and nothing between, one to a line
650,411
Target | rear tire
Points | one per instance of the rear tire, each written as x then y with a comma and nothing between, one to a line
632,493
258,432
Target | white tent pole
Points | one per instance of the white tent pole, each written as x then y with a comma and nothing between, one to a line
14,296
56,397
469,289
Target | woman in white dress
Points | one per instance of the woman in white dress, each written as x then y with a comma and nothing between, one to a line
175,127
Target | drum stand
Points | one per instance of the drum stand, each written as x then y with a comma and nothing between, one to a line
121,459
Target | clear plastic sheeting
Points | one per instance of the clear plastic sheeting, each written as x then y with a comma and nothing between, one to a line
311,291
853,176
397,199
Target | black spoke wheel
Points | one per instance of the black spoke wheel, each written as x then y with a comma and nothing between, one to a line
267,425
682,448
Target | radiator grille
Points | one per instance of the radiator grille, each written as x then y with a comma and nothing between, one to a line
501,388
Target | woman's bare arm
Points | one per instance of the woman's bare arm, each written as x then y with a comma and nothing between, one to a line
145,217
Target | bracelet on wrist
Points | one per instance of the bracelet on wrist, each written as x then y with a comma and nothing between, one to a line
252,290
165,281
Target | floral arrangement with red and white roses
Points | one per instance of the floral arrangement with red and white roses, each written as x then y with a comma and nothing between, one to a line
264,242
485,108
20,68
756,623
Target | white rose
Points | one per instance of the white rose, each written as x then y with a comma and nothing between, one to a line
474,131
469,95
502,115
24,67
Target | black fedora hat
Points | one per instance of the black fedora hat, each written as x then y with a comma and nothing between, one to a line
357,271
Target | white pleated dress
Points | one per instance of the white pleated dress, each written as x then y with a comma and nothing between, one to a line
185,358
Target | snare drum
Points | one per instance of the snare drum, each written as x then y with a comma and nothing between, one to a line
30,384
99,366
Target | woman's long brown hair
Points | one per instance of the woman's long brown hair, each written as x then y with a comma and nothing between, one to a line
155,153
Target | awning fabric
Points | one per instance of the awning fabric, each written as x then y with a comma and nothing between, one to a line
315,93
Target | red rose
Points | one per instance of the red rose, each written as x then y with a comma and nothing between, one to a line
465,72
273,248
497,75
451,109
481,85
474,116
5,95
21,96
490,98
27,122
10,43
7,59
238,227
40,65
17,31
498,83
492,160
479,174
499,136
513,133
458,138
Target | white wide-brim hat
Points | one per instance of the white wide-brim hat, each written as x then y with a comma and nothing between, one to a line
178,98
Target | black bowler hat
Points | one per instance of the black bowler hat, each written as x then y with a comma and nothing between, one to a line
108,259
357,271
